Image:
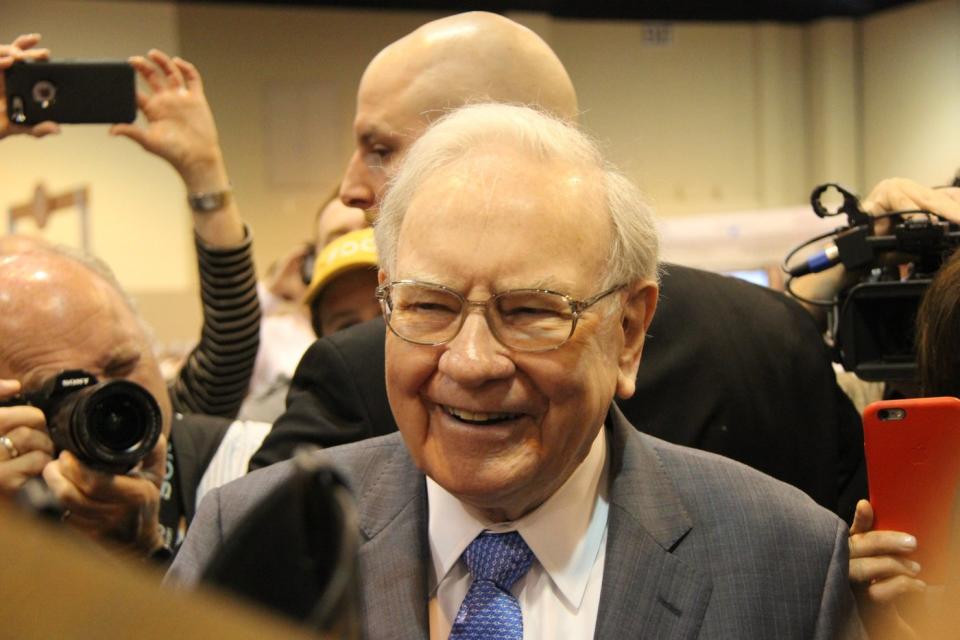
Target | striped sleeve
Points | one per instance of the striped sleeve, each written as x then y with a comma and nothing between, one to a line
216,375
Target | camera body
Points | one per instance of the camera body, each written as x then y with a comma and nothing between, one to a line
873,320
110,426
71,92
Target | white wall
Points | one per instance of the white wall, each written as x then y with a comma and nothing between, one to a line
911,97
137,216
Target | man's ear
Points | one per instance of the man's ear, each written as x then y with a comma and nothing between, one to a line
641,302
381,277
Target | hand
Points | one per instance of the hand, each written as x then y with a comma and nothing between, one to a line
122,508
880,574
21,49
180,126
25,427
181,130
903,194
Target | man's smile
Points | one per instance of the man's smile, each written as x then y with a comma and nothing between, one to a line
478,417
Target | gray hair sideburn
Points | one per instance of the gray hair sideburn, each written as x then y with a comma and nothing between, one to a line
635,246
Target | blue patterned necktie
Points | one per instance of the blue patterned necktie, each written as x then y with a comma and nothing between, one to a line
489,611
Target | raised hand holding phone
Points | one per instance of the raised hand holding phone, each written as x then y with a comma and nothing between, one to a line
21,49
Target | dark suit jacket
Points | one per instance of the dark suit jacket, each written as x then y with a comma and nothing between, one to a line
697,545
728,367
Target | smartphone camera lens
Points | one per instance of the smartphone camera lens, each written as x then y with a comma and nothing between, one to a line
891,414
44,93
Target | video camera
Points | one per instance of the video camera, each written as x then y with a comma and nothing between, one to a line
872,322
110,426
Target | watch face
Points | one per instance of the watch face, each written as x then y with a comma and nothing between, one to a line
204,202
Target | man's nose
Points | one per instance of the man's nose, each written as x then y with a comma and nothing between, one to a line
475,356
359,188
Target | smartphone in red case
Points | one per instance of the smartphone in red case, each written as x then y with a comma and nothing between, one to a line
913,468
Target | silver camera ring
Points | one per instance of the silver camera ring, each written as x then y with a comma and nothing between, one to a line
44,92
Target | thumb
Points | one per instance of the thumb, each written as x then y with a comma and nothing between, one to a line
862,518
131,131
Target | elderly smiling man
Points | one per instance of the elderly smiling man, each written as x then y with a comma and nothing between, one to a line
517,502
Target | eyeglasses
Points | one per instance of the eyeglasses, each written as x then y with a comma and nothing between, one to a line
521,319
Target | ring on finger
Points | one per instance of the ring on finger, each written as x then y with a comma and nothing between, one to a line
7,443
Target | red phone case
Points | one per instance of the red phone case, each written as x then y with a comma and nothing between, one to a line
913,469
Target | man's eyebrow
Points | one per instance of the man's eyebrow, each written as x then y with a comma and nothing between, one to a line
121,362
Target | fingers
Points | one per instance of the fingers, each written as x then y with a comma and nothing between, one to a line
902,194
172,73
25,427
888,591
862,518
21,416
871,569
190,74
44,129
30,439
21,49
131,131
13,473
878,543
9,388
121,508
26,40
150,74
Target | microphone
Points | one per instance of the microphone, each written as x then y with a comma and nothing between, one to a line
818,262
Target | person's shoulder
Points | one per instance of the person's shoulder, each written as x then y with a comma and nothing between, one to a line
683,281
254,485
718,488
774,321
365,459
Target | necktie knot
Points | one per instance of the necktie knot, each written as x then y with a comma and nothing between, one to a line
501,558
489,611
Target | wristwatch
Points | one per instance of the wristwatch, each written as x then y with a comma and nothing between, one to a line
209,201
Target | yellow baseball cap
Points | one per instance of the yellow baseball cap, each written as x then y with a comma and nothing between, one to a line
354,250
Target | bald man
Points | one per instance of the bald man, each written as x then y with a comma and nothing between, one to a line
57,315
729,367
470,57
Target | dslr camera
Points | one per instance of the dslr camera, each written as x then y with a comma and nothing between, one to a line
110,426
872,321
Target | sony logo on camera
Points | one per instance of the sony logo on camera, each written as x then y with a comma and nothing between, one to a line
81,381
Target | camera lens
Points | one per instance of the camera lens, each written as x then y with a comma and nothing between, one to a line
110,425
117,422
44,92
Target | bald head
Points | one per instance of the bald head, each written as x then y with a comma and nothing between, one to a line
58,313
466,58
472,57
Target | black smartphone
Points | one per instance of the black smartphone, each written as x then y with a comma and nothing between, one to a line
71,92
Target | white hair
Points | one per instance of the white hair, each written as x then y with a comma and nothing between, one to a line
634,248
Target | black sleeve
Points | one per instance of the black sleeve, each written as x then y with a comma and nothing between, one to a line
338,395
741,370
216,375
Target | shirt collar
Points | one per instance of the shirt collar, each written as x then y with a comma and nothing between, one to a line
564,533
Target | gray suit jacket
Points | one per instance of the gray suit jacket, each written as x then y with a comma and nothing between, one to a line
698,546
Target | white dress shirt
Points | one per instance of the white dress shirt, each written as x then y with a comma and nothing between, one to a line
560,594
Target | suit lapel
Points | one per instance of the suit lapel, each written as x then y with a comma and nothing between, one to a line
648,591
394,555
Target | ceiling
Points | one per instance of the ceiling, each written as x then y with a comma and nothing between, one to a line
699,10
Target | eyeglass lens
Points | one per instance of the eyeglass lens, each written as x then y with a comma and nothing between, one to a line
522,319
